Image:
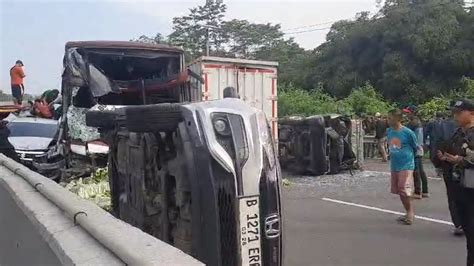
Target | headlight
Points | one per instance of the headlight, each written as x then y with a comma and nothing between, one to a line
221,126
223,132
230,133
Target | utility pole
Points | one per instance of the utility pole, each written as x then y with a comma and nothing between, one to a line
207,42
207,27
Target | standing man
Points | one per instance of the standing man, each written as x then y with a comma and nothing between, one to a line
421,180
402,146
381,126
368,126
459,154
440,135
18,89
433,134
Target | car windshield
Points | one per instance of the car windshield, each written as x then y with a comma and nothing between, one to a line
25,129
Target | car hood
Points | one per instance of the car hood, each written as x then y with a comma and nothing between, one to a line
30,143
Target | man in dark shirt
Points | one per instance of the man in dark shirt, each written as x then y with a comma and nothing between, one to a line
420,178
381,126
368,125
438,131
430,133
440,134
458,154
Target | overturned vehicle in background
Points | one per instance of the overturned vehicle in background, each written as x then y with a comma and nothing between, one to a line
201,176
316,145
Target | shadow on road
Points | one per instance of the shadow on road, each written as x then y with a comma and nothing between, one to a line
324,233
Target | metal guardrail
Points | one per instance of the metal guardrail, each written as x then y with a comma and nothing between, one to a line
131,245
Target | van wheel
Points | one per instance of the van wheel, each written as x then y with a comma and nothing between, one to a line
153,118
105,119
179,208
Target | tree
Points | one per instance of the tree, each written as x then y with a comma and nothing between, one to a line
292,59
245,38
236,38
410,50
201,27
158,38
429,109
294,101
366,100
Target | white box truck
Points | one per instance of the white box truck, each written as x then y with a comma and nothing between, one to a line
255,82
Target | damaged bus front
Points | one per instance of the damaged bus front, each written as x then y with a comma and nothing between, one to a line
105,73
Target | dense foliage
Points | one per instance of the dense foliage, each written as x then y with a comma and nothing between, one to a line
362,100
366,100
293,101
409,52
430,108
441,104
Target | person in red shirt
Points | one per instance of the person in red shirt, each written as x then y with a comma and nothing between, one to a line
17,75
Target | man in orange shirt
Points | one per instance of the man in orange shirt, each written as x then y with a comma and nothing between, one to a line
17,75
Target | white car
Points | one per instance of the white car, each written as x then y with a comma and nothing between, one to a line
34,140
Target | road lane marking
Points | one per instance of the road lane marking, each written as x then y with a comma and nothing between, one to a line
386,211
435,178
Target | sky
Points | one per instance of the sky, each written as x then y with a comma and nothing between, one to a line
35,31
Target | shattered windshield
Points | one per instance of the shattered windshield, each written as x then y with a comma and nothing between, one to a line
126,67
111,70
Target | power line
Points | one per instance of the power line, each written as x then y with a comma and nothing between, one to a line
312,25
303,31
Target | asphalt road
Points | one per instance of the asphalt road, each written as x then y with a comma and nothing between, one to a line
322,229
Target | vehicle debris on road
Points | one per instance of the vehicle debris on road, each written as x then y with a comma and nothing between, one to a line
95,188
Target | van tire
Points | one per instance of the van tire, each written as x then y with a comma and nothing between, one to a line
103,119
153,118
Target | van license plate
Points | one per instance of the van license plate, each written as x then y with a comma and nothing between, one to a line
250,231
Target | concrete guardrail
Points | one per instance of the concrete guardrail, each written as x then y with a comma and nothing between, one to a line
41,223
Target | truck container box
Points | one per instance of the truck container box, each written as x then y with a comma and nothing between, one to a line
255,82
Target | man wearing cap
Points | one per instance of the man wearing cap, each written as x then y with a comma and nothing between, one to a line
458,153
17,75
